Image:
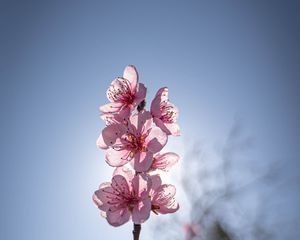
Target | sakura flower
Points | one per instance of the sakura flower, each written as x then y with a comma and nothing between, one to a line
165,114
164,161
162,197
124,93
126,196
135,141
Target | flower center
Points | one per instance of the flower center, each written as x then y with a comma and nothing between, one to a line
136,143
122,93
168,113
131,202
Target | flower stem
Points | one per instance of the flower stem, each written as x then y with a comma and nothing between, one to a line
136,231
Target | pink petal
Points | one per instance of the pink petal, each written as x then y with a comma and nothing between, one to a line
140,95
168,128
141,185
100,143
161,96
126,172
123,114
156,140
112,133
108,118
164,198
164,193
156,182
118,90
116,158
112,107
131,74
142,161
169,208
108,198
169,109
173,128
165,161
118,117
141,211
118,217
100,198
120,184
141,121
155,108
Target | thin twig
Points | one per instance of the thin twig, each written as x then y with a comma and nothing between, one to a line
136,231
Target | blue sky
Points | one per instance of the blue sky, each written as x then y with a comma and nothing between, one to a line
220,60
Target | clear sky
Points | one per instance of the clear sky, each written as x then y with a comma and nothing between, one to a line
220,59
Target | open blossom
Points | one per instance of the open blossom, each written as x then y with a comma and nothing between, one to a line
126,196
164,161
124,93
162,196
165,114
135,141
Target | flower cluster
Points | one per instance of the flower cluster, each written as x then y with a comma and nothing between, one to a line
133,139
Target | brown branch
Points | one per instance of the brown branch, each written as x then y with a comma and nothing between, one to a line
136,231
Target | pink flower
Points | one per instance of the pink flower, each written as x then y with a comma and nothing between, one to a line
165,114
162,197
136,140
126,196
124,93
164,161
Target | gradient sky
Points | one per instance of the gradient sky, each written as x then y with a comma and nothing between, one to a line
220,60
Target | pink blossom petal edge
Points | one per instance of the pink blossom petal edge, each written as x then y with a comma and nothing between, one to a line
118,217
131,74
117,158
100,143
156,139
161,96
142,161
141,211
141,183
169,128
140,94
163,200
164,161
165,114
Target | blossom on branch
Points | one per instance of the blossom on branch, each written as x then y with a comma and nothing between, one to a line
126,196
137,140
132,140
165,113
162,197
124,93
